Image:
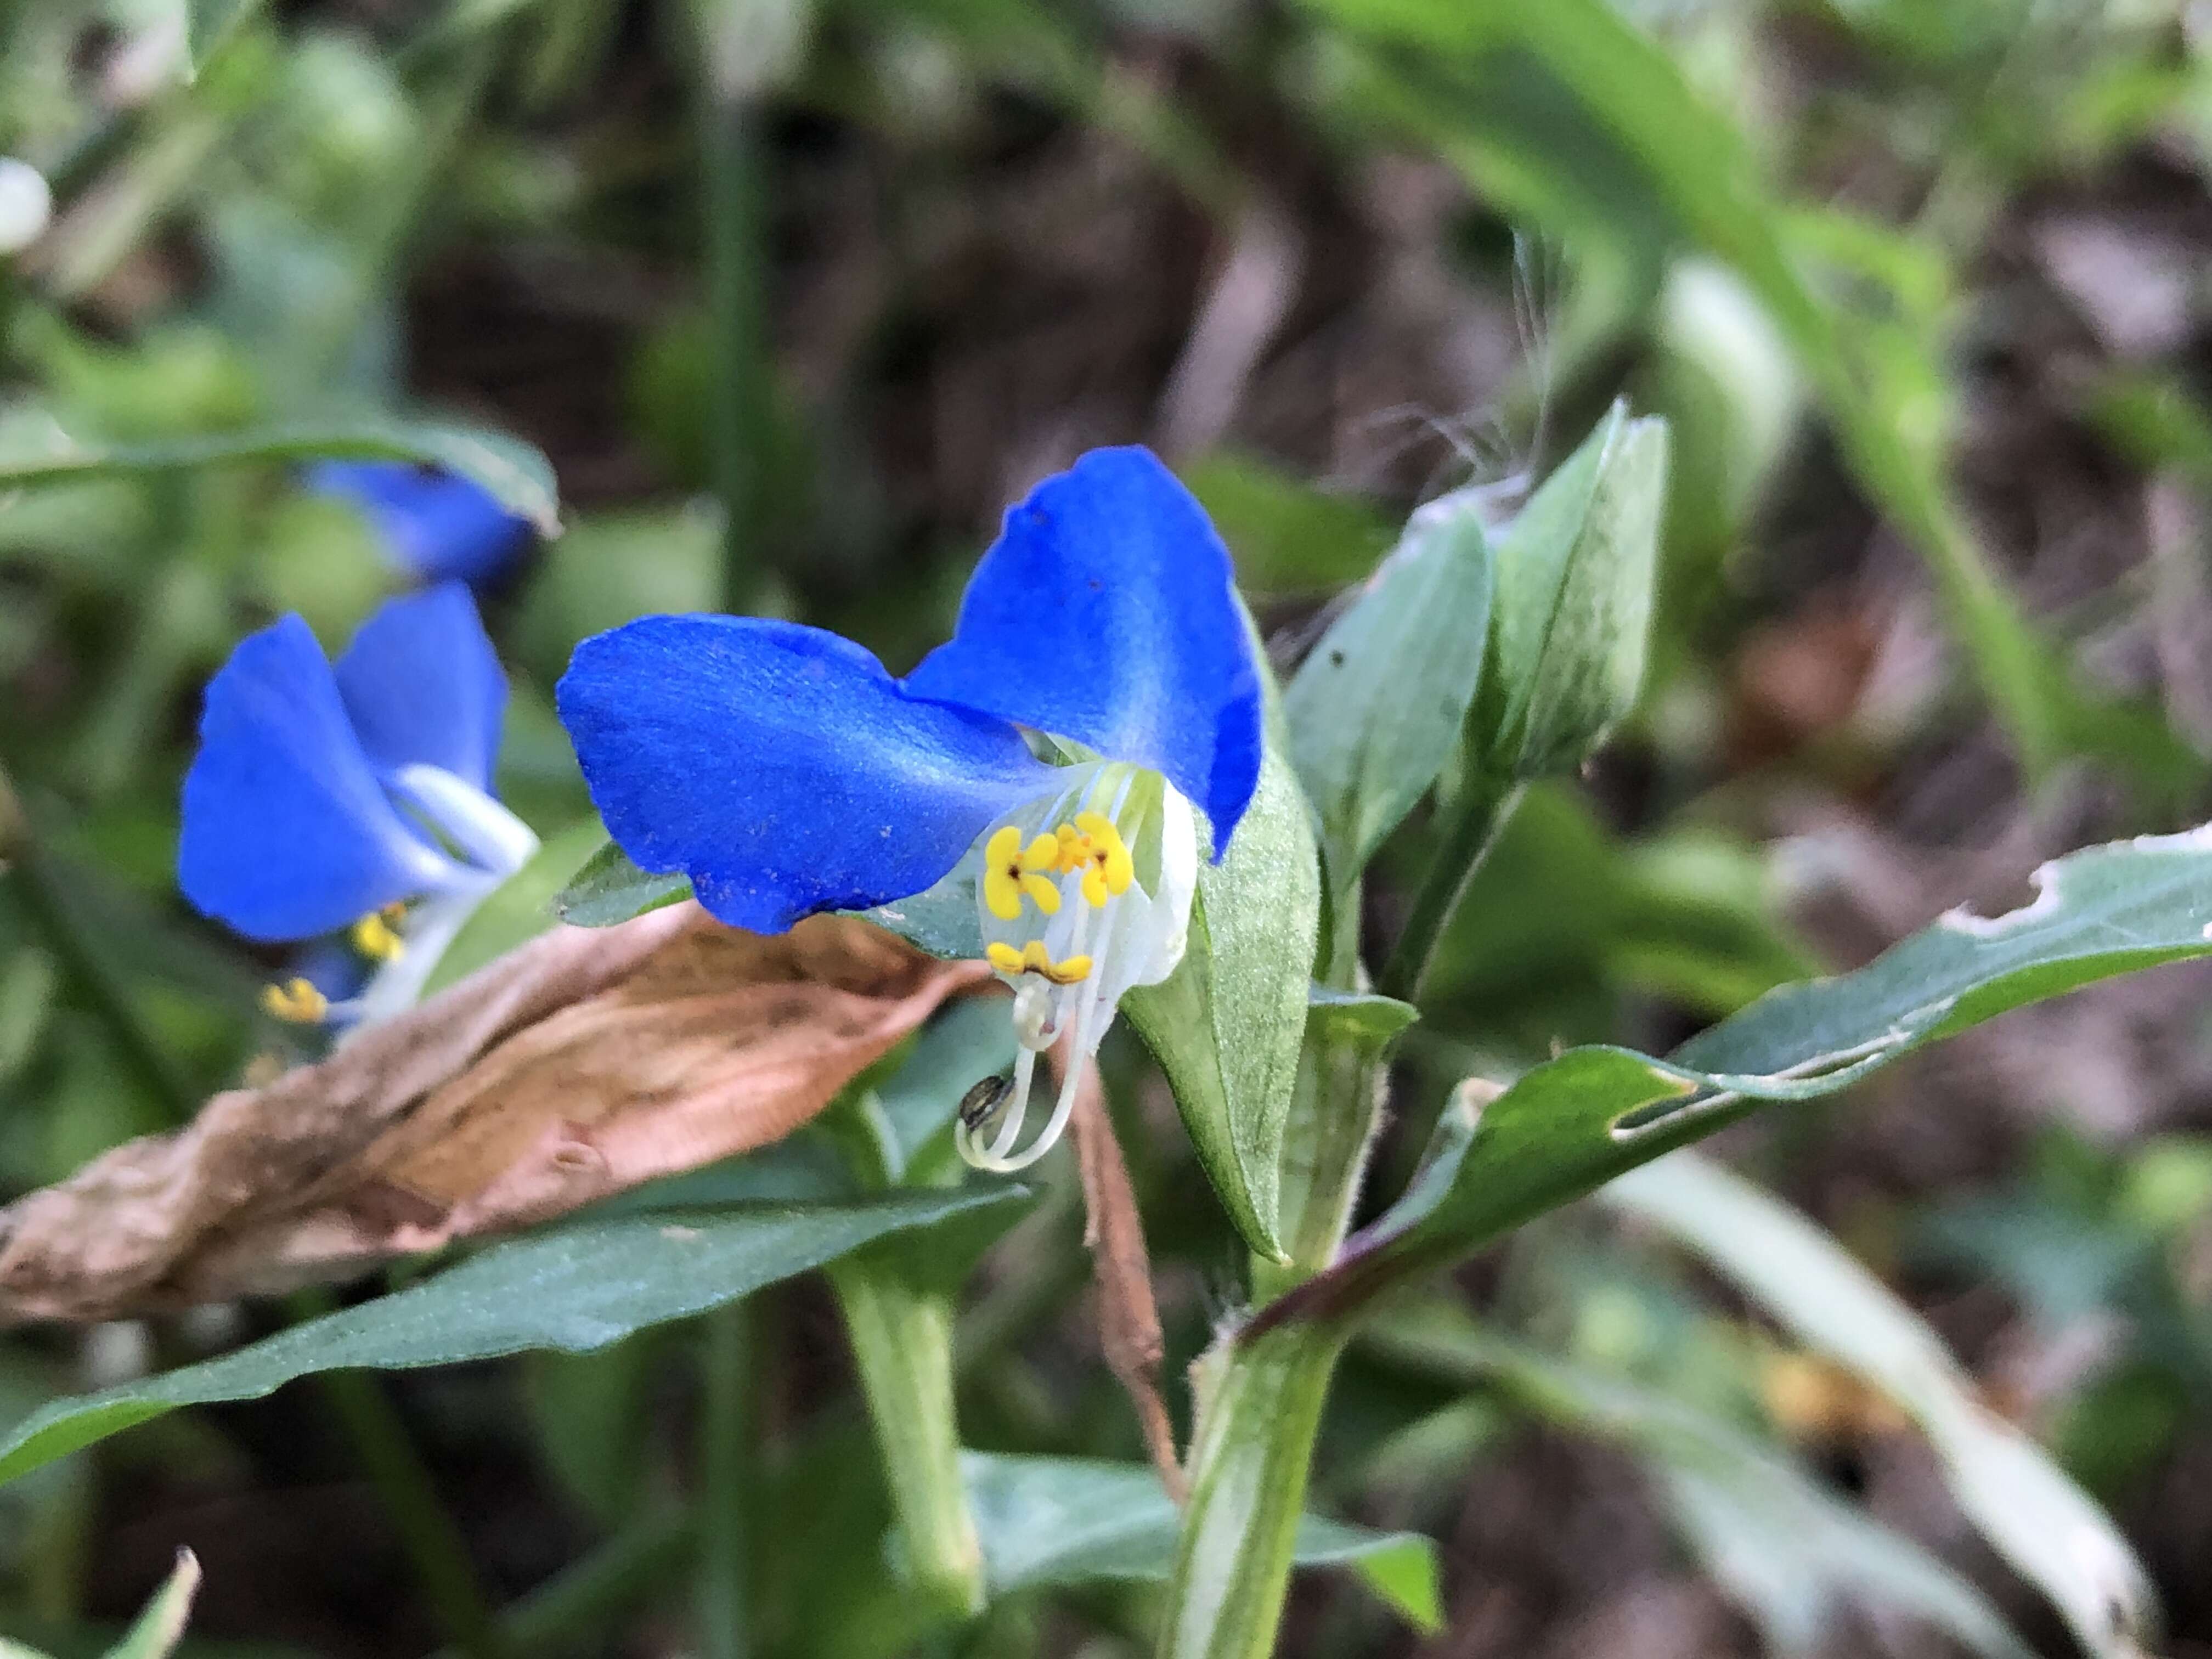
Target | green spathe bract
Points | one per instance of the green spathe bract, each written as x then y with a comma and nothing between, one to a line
1571,618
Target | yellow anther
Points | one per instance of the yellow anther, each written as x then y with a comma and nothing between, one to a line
296,1001
375,935
1034,959
1100,848
1011,869
1074,971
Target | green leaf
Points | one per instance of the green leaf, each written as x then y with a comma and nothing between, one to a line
1287,536
609,890
1570,622
161,1626
1577,1121
519,909
1227,1025
575,1289
1357,1017
513,471
1376,710
1786,1550
210,25
2051,1531
1079,1520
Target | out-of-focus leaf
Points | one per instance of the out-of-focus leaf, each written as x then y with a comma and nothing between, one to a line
2038,1519
612,568
1562,916
519,908
1075,1520
575,1289
1376,710
1227,1025
1789,1552
1287,536
37,451
1577,1121
1667,151
578,1065
608,891
161,1626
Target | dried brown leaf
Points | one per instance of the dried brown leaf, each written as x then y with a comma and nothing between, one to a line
585,1062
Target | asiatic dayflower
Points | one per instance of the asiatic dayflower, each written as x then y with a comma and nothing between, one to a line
434,525
785,771
353,796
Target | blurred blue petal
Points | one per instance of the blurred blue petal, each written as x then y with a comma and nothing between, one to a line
1106,612
439,525
286,833
780,767
423,687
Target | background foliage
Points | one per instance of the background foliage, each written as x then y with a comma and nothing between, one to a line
790,298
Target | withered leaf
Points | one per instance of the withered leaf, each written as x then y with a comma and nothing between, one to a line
585,1062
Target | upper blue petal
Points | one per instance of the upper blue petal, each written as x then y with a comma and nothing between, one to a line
780,767
1107,613
424,686
440,525
286,833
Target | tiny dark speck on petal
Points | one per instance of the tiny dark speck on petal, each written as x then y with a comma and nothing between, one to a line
1336,659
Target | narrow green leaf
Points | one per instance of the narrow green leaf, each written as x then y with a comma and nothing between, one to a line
518,910
1376,710
609,890
161,1626
513,471
1227,1025
575,1289
209,25
1789,1552
1079,1520
1577,1121
2051,1531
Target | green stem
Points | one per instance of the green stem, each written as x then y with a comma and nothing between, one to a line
1470,827
432,1540
723,1588
739,414
1258,1417
902,1343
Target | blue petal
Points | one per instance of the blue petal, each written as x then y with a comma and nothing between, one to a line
423,687
286,833
439,525
1107,613
780,767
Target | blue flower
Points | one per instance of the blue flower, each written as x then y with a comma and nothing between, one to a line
437,527
785,771
327,796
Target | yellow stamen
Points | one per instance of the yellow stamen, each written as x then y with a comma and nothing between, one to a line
296,1001
1034,959
1011,870
374,936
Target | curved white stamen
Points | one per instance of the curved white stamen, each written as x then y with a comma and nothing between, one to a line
489,835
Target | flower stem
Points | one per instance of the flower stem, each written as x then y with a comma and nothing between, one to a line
1258,1417
722,1596
902,1342
428,1533
1469,823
